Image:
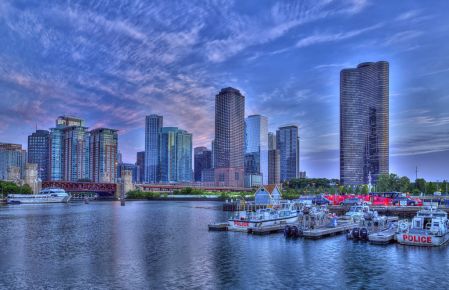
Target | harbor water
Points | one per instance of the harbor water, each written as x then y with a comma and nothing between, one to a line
167,245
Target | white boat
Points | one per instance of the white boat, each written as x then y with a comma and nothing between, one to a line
356,212
274,214
48,195
428,228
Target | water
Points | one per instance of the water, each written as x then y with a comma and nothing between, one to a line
166,245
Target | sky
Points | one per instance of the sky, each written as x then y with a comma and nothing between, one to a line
114,62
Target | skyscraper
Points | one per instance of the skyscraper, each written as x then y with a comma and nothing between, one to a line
364,122
152,167
11,155
287,141
271,141
274,166
141,163
198,160
256,146
175,154
38,152
103,154
75,163
119,157
229,148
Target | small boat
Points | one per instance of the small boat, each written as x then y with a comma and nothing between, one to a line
48,195
428,228
276,213
356,212
370,223
310,219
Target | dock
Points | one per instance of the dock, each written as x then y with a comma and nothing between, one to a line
218,227
340,228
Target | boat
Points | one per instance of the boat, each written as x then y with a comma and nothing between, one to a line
356,212
428,228
276,213
310,219
48,195
370,223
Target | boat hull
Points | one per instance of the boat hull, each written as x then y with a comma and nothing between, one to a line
244,225
422,240
34,200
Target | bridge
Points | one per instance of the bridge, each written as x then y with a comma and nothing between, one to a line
102,189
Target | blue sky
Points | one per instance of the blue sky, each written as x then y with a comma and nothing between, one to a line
114,62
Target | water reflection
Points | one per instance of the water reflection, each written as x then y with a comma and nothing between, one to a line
151,244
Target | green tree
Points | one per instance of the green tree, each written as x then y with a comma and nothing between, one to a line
344,189
357,190
341,188
364,190
326,190
25,189
383,183
196,192
301,191
176,192
350,190
319,190
332,190
431,188
84,180
312,190
416,191
421,184
404,184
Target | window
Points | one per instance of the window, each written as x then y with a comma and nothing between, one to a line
236,176
221,177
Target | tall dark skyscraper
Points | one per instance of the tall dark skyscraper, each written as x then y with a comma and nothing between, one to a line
141,163
229,138
38,152
152,147
198,161
287,141
364,121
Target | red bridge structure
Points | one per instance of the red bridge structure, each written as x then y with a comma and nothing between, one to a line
103,189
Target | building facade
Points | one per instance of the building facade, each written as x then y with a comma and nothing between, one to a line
274,166
11,155
103,154
287,141
134,168
197,162
152,166
229,141
271,141
75,159
38,152
256,146
364,122
141,162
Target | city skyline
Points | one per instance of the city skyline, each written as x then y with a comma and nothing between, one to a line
286,64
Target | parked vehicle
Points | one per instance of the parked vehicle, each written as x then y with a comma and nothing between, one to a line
353,201
319,200
417,201
397,200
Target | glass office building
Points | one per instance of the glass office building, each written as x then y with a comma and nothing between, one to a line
198,161
271,141
135,169
175,154
103,154
256,146
56,154
364,122
75,163
229,143
152,166
141,163
287,141
38,152
11,155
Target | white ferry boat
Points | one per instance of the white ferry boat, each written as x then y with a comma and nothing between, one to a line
48,195
428,228
272,215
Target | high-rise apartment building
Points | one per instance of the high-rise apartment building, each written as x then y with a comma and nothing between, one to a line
212,149
197,161
364,122
68,121
75,163
103,144
271,141
119,157
141,163
287,141
38,152
175,154
256,146
274,166
229,150
11,155
152,166
135,171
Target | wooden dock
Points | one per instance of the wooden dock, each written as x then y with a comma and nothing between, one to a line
340,228
218,227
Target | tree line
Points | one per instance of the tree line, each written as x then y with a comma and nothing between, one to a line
9,187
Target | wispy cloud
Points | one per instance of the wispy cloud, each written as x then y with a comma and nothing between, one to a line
407,15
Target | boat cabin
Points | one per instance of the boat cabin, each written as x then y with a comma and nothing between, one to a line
430,218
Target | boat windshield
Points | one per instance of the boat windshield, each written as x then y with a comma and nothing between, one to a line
281,214
352,209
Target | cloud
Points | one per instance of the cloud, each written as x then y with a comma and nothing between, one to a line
407,15
326,37
422,143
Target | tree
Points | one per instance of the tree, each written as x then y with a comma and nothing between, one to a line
26,189
319,190
84,180
421,184
431,188
404,184
326,190
196,192
176,192
350,190
383,183
340,189
416,191
312,190
344,189
332,191
357,190
301,191
364,190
